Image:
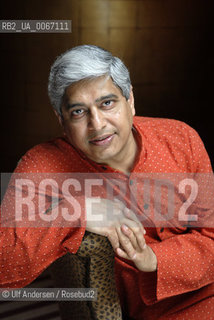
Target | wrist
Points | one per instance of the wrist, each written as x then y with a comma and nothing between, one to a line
148,263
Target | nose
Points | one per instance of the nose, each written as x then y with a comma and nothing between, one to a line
97,119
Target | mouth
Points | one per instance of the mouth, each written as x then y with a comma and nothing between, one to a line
102,140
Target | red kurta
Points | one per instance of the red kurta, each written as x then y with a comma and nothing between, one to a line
182,287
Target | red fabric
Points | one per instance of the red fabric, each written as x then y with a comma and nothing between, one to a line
182,287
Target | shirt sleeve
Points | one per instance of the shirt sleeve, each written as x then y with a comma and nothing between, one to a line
185,259
185,263
27,249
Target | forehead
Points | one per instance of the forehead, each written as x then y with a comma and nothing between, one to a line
92,89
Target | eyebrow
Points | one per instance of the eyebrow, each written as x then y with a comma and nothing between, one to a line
79,104
109,96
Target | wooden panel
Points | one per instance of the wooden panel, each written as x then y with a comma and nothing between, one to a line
164,13
122,43
123,14
94,14
94,36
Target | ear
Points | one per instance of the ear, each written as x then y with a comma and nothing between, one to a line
59,117
131,101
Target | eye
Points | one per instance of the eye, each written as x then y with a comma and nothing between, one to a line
77,113
108,103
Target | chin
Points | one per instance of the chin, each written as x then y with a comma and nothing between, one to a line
102,158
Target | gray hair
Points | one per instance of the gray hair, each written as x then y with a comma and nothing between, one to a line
85,62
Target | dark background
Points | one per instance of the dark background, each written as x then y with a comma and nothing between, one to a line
167,45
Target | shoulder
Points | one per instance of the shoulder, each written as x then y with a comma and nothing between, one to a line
162,125
177,139
166,129
53,156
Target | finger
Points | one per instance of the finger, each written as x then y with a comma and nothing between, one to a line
137,233
126,244
113,238
129,233
122,253
134,225
132,216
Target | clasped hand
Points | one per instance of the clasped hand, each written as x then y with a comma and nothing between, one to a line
125,232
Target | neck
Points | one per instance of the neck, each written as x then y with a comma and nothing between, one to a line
125,161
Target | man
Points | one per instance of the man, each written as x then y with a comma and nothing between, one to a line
161,272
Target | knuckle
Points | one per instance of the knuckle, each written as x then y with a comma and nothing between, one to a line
130,253
113,242
126,242
138,232
134,256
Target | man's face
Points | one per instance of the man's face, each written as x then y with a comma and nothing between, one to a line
97,119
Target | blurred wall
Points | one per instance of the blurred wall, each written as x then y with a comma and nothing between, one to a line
167,45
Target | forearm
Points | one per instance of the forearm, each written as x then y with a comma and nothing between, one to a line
184,263
25,253
29,246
